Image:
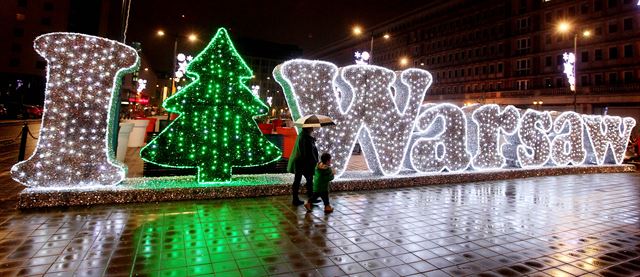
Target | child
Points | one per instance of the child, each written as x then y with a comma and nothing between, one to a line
323,175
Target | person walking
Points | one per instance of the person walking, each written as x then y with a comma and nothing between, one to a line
323,175
302,162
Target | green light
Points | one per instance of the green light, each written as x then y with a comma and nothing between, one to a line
195,139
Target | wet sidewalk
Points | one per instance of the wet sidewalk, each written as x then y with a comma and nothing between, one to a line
548,226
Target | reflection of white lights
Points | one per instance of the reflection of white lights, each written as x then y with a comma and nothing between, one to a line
570,69
362,58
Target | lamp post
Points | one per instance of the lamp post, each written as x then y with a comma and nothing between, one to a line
191,37
565,27
357,31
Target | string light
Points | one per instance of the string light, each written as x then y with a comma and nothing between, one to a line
570,69
364,108
567,146
604,132
74,149
215,130
535,146
440,140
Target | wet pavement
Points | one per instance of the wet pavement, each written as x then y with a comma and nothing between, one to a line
549,226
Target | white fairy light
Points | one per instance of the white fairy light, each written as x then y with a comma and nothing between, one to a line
567,147
142,84
440,140
569,69
56,161
535,146
255,90
364,108
362,58
604,132
491,126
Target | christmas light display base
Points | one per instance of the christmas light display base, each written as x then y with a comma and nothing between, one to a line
158,189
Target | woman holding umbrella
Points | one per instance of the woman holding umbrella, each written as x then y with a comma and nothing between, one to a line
304,156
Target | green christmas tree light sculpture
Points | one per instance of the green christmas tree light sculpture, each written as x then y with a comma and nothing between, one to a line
215,129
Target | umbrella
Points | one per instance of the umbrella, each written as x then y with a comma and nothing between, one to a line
314,121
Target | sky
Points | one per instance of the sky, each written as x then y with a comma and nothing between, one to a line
309,24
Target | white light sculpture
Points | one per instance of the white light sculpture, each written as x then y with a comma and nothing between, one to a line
364,108
255,90
492,125
74,149
142,84
570,69
183,61
362,58
534,150
607,132
567,146
440,140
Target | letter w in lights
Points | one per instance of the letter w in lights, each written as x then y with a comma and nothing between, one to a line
369,104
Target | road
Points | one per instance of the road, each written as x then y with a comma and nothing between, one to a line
10,147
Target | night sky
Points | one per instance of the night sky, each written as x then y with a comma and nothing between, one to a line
310,24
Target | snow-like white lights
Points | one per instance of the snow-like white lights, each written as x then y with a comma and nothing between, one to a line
604,133
570,69
73,150
372,105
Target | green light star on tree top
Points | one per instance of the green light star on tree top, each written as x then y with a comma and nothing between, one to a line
215,129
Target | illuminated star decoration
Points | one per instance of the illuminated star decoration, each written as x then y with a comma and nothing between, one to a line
142,84
73,149
215,130
570,69
364,108
362,58
183,61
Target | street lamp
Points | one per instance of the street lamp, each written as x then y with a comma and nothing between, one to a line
357,31
191,37
404,61
565,27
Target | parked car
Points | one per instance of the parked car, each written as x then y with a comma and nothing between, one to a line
32,111
4,113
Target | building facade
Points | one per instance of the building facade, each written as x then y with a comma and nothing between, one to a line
511,52
22,70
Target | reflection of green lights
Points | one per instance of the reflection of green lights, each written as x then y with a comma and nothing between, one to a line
223,239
